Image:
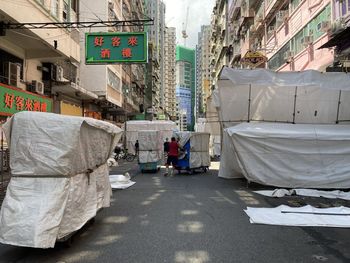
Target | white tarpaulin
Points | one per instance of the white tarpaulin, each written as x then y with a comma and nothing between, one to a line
150,146
38,211
48,144
260,95
335,194
300,216
211,124
199,147
300,97
119,181
45,200
165,128
287,155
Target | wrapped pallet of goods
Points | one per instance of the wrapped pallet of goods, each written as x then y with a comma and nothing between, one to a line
59,176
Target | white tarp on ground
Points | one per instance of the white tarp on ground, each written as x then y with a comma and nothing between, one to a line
292,155
335,194
150,146
40,208
199,147
300,216
119,181
165,128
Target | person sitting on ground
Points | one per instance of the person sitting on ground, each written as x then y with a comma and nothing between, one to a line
172,155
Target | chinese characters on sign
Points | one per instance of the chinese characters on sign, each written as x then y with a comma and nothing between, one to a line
129,47
23,104
254,59
13,100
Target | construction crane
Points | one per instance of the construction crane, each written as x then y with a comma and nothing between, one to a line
184,27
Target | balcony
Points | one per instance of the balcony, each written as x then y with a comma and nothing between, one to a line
259,17
234,9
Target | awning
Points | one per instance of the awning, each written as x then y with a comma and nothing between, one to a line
73,90
338,39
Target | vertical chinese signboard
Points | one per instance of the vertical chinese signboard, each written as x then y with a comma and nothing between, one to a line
126,47
14,100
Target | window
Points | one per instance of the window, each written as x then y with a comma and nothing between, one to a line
65,12
74,5
54,7
345,7
296,45
294,4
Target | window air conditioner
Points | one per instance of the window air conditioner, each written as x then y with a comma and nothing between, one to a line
306,40
288,55
38,86
14,71
59,74
324,26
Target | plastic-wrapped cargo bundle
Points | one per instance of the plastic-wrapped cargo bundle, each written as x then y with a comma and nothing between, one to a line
132,129
150,146
59,176
198,148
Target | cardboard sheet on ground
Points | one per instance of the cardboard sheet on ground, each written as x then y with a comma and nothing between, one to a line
306,192
119,181
300,216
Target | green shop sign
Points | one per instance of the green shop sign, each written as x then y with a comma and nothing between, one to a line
13,100
126,47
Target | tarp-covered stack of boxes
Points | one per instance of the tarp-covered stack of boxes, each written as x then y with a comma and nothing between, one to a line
59,176
210,124
196,150
306,142
132,128
150,150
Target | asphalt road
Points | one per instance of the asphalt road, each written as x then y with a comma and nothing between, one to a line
195,218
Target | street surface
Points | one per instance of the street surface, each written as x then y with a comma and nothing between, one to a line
192,218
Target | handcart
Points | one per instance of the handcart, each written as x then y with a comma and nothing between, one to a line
194,154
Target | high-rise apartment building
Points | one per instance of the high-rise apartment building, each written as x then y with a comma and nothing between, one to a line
170,104
204,70
289,33
185,83
219,40
119,86
156,37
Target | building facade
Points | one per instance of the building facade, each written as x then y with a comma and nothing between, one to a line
44,62
185,83
204,70
340,35
170,104
219,38
289,33
119,87
156,36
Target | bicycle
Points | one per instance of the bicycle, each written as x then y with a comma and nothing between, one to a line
123,154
